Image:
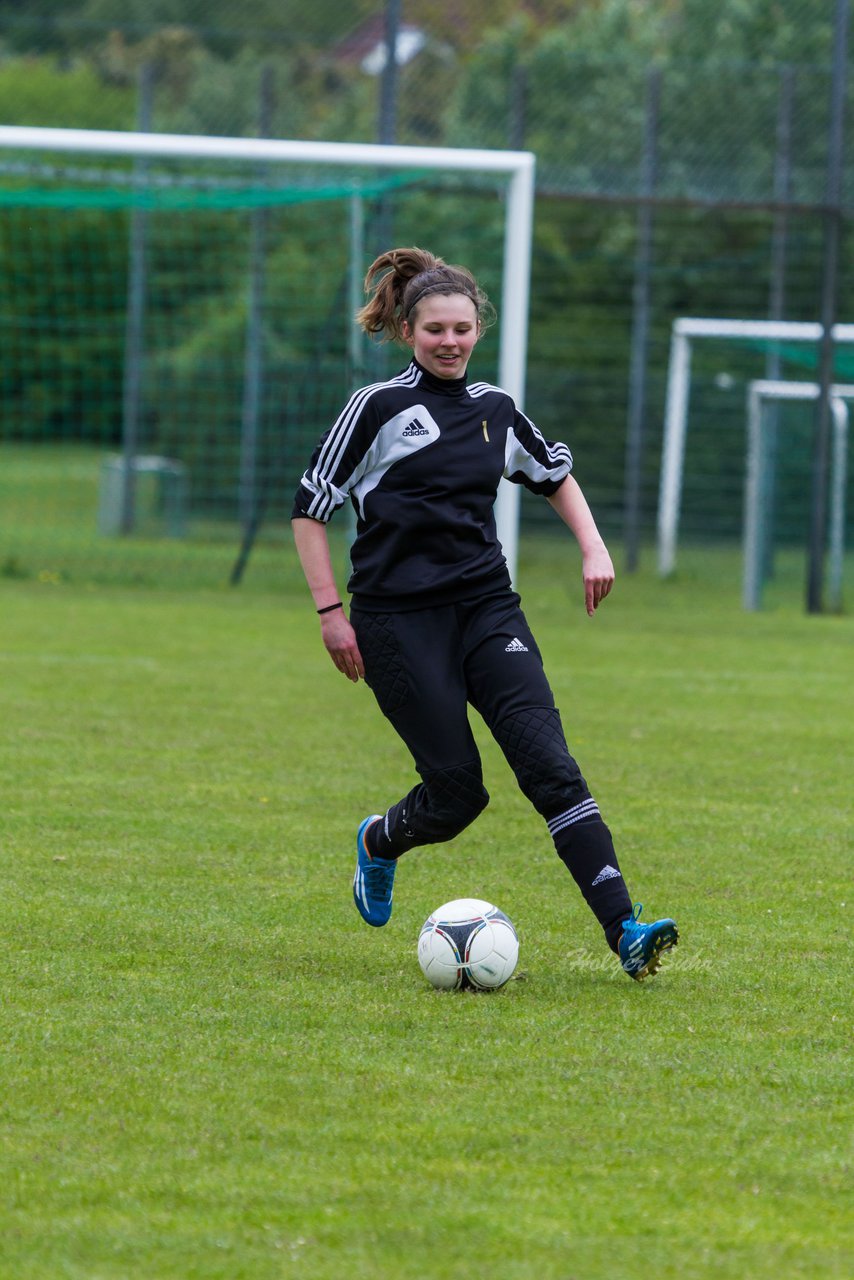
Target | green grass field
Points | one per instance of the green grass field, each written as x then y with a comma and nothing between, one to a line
213,1070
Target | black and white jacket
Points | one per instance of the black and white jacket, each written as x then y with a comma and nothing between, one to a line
421,458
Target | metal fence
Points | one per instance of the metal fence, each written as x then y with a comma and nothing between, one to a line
666,188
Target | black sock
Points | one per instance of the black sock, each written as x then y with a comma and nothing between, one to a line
377,842
586,847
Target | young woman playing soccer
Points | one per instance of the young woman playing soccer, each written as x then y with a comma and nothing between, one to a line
434,622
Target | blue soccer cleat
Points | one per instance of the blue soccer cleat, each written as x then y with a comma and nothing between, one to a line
641,945
374,880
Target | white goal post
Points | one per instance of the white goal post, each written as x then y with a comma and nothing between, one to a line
685,331
517,167
758,464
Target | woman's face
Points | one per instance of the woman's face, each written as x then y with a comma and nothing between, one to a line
442,333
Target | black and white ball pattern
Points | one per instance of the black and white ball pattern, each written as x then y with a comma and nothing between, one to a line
468,944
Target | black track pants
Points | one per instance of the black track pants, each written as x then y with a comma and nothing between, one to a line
425,668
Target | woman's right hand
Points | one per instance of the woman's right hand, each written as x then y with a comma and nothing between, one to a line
340,640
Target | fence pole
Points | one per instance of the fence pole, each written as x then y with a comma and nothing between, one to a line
640,323
355,298
135,320
777,302
518,107
253,360
355,287
387,117
830,284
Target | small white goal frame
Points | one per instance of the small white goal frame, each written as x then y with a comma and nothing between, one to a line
517,166
687,329
760,391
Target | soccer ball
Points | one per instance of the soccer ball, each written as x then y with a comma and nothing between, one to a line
468,943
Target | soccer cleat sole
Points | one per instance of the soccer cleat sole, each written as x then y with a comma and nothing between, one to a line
661,945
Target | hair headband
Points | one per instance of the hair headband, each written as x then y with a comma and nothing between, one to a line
443,286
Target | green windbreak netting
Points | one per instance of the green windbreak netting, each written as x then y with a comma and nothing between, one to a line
806,357
177,197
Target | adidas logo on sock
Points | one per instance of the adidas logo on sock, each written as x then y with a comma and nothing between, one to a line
607,873
516,646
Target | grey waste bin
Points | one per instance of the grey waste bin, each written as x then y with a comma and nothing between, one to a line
159,496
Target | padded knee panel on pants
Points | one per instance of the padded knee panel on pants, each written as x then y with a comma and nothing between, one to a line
455,797
535,747
442,806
